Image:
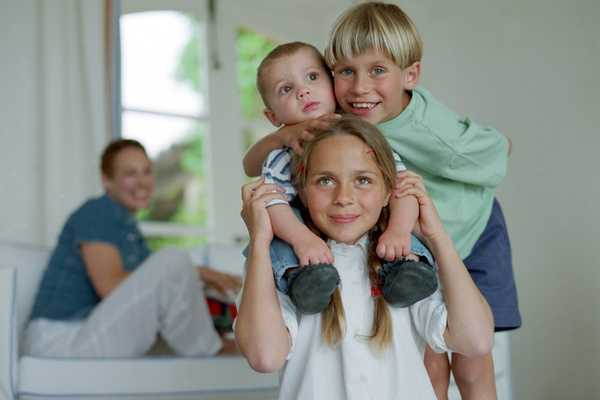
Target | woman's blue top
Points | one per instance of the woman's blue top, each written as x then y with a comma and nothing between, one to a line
66,291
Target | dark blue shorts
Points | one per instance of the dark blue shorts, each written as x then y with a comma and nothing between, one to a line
490,266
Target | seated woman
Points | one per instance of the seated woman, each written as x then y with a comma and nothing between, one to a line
104,295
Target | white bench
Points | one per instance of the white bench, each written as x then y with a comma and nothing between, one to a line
24,377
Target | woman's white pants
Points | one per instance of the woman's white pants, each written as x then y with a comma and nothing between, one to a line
162,296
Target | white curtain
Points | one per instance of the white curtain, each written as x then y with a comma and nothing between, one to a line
72,122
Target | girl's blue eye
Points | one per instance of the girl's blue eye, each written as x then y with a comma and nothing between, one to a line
378,71
325,181
313,76
363,180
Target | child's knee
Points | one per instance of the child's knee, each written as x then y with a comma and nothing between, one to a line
471,370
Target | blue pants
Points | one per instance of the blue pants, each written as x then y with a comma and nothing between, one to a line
490,266
284,258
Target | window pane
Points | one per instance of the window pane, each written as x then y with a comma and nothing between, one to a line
160,50
176,146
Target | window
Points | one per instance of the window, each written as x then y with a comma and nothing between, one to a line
179,96
164,106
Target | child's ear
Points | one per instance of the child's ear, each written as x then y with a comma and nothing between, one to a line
386,202
412,74
271,117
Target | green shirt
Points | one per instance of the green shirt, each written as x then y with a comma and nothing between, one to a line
460,162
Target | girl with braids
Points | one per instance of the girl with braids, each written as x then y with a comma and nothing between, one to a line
359,347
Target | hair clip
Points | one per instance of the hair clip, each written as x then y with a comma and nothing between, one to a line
375,291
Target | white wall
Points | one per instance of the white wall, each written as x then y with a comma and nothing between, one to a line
526,67
531,69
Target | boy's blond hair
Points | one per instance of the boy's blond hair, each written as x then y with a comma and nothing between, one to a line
283,50
378,26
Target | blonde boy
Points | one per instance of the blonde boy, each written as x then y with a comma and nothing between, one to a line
374,52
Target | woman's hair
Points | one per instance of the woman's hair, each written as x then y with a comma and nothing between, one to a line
107,161
378,26
332,318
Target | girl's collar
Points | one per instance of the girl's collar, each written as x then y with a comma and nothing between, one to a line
362,243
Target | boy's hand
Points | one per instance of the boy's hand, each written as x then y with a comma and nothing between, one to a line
311,249
293,136
393,245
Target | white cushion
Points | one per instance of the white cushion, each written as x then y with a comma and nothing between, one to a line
154,376
21,267
29,262
7,332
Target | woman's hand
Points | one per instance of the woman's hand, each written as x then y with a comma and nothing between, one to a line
255,197
222,282
429,225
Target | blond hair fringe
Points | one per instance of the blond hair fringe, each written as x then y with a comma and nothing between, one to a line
382,27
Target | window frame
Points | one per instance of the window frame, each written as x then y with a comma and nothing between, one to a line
224,144
119,9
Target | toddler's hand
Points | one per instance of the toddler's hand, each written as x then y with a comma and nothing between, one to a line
294,136
311,249
393,245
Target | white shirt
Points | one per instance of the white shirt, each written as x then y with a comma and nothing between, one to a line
354,369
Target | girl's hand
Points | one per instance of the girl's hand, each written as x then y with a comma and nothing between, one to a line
294,136
429,225
255,197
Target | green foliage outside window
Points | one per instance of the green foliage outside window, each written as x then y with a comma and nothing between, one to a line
252,47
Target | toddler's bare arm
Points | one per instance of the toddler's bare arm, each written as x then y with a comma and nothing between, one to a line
309,248
395,241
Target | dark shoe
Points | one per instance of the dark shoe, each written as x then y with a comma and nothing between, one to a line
406,282
311,287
